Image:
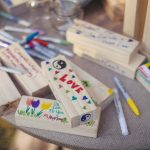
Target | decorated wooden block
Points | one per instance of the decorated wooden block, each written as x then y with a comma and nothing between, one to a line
143,75
32,81
121,68
48,114
102,41
9,95
68,88
99,92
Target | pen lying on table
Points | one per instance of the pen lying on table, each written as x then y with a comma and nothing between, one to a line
11,70
32,53
120,113
55,48
129,100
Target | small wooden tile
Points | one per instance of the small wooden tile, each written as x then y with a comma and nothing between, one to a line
48,114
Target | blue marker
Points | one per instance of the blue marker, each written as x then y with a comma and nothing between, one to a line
30,37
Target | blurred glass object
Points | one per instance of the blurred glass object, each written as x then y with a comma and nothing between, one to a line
38,7
63,12
83,2
36,3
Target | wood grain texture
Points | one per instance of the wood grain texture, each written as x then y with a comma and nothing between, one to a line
121,68
134,18
8,92
32,81
48,114
102,41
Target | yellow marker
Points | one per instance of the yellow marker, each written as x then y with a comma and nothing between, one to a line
129,100
133,106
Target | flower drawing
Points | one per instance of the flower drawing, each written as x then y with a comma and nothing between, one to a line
35,104
28,103
46,106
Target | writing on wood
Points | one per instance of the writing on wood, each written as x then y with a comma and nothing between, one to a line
49,114
68,88
32,81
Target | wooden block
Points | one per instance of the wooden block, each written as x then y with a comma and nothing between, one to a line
103,41
123,69
143,75
9,95
68,88
48,115
99,92
32,81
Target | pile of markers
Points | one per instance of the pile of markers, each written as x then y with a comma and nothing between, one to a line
35,43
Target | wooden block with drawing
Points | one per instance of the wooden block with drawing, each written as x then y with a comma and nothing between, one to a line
49,114
102,41
143,75
99,92
68,88
121,68
32,81
9,95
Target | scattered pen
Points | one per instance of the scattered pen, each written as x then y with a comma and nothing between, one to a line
42,50
22,30
32,53
14,19
36,55
55,48
54,40
4,43
120,113
29,38
129,100
9,36
11,70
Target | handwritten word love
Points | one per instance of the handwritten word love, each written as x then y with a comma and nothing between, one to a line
74,85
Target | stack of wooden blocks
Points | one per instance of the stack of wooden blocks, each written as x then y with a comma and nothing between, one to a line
111,50
79,96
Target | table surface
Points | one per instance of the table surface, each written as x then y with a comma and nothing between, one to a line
109,134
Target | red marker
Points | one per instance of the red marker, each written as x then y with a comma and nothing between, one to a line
53,47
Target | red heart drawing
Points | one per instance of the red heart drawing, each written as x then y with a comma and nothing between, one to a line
56,72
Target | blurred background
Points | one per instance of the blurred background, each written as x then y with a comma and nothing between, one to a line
107,13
